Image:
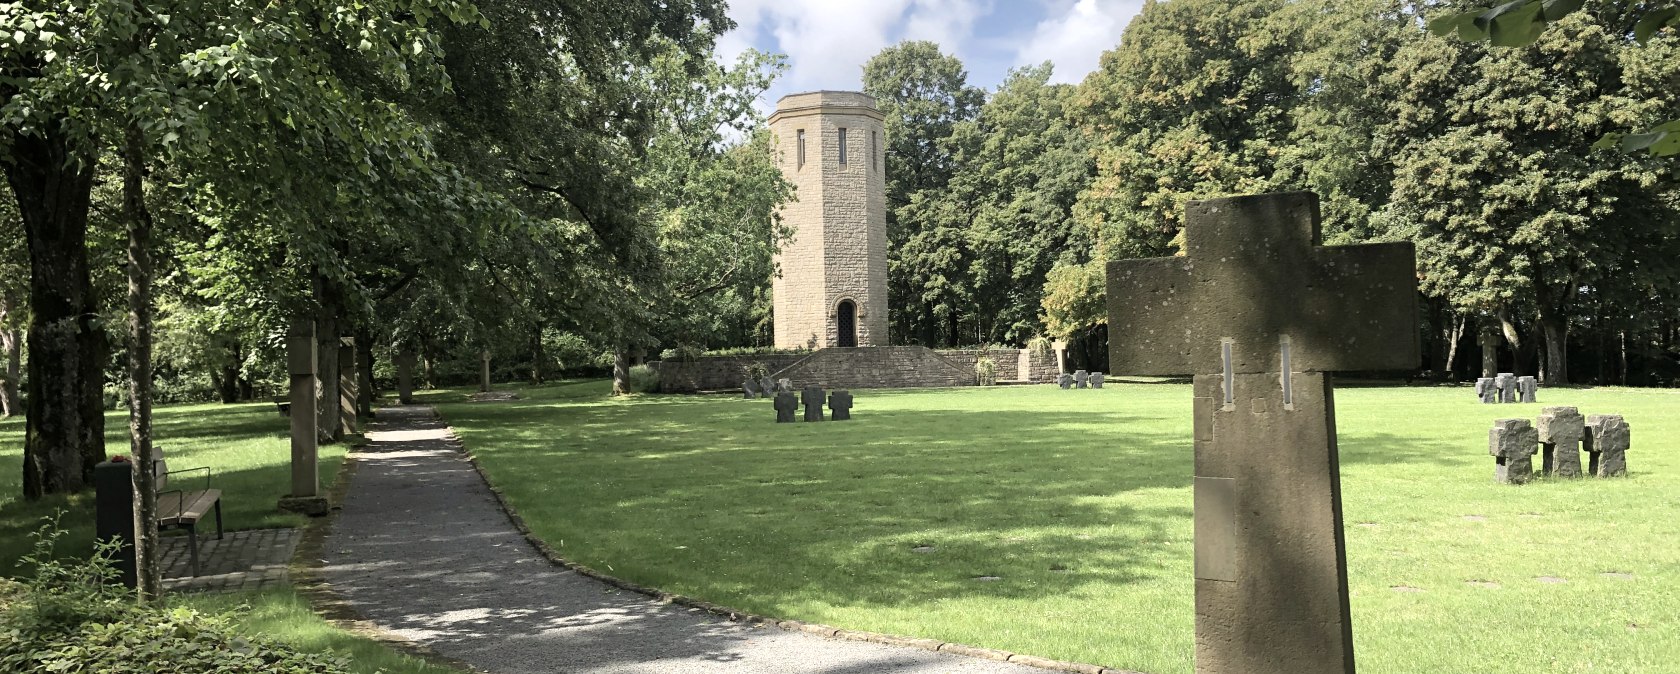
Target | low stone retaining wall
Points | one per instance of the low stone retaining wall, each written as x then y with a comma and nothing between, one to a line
866,367
717,373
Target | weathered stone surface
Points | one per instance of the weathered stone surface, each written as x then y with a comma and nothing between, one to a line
1081,378
784,385
812,397
1259,313
1561,430
786,405
1507,384
1608,438
1528,389
1096,380
838,252
766,387
749,389
301,360
1512,443
1064,380
840,405
1487,390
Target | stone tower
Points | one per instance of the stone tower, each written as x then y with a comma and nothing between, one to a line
832,286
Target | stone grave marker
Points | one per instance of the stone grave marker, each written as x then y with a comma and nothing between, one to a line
1607,442
766,387
1490,352
785,385
840,405
301,363
1561,431
1512,443
1096,380
1507,384
1064,380
1081,378
786,405
1487,391
813,399
749,390
1527,388
1260,314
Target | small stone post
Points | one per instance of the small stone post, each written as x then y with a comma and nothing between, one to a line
300,364
1561,430
405,377
484,371
1512,443
1607,441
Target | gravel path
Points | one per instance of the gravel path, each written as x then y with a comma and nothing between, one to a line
423,550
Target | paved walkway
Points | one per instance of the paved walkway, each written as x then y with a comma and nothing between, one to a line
242,560
422,549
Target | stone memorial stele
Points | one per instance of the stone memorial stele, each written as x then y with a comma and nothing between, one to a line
1527,387
786,405
301,363
812,397
1081,378
1507,384
1512,443
840,405
1607,439
1487,391
766,387
1561,430
1064,380
749,390
1096,380
1260,313
1490,352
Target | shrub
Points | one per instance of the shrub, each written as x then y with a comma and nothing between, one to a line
70,617
1041,346
756,370
985,370
644,379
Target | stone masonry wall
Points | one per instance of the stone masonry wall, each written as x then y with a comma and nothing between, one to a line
878,367
716,373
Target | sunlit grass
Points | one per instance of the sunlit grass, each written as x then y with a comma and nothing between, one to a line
245,446
283,616
1079,501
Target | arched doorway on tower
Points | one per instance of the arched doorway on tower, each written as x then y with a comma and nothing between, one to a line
847,322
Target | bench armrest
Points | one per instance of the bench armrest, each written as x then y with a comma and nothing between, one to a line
205,469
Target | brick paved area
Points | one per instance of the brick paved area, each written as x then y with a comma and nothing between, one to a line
243,560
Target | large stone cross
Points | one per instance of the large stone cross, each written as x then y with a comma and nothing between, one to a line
1259,312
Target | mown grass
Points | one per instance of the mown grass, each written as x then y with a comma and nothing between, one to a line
283,616
245,445
1080,502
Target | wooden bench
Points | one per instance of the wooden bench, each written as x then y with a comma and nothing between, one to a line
285,407
183,508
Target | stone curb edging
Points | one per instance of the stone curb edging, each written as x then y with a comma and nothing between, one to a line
325,600
733,615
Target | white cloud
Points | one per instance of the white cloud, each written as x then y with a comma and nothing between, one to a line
1075,36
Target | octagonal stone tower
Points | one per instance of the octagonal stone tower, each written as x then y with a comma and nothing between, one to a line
832,286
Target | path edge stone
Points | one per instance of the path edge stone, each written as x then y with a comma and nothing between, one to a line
307,580
734,615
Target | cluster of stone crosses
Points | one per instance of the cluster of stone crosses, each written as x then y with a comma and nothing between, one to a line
1560,435
1080,379
840,402
1507,388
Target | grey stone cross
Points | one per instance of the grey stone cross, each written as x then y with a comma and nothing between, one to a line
812,396
840,403
1260,313
786,405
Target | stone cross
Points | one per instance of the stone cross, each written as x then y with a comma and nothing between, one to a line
785,385
1490,352
1507,384
1487,390
840,403
1561,431
813,399
786,405
1512,443
1064,380
748,390
1607,440
766,387
1081,378
1526,388
1096,380
1260,313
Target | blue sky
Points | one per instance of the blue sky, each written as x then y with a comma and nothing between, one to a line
828,41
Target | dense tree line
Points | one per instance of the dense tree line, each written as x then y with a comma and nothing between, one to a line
1004,209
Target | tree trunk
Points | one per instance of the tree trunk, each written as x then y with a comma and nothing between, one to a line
1453,336
539,356
1514,339
484,371
65,432
1555,326
364,366
10,344
227,379
326,380
621,373
146,563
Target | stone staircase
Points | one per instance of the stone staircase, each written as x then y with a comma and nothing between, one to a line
876,367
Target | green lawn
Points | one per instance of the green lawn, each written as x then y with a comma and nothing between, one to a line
283,616
1080,501
245,445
